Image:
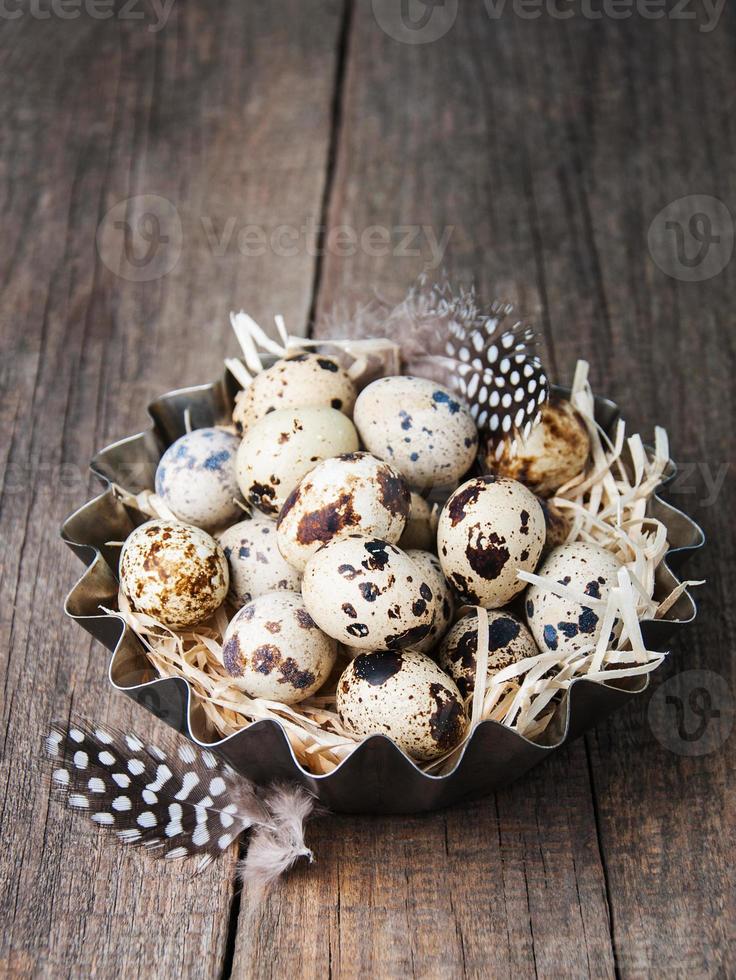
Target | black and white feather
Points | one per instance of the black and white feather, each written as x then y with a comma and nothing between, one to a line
489,357
176,802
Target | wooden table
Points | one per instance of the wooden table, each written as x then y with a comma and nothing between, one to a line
543,148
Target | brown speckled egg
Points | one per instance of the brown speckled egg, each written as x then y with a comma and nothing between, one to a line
508,642
419,532
196,480
558,624
350,493
556,451
368,594
174,572
442,602
295,381
404,695
418,427
276,650
556,524
256,564
284,446
488,530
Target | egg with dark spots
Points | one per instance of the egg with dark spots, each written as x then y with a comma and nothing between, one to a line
562,625
276,650
405,696
418,427
283,447
509,641
298,380
488,530
176,573
556,451
368,594
440,598
256,564
353,492
196,478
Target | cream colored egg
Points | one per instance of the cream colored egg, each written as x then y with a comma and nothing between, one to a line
419,531
256,564
275,649
488,530
442,602
295,381
354,492
174,572
368,594
562,625
418,427
509,641
556,451
284,446
196,479
404,695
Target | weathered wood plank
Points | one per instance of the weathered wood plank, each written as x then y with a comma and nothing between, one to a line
212,114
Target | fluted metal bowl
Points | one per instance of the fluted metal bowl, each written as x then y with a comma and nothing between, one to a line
377,777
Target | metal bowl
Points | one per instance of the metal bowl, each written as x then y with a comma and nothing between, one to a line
377,777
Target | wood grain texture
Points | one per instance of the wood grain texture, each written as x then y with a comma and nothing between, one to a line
211,114
543,148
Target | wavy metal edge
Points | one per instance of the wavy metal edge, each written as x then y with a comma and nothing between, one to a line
377,777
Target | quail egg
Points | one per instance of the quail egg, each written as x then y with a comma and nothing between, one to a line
352,492
556,451
174,572
442,604
419,532
281,448
562,625
196,478
488,530
508,642
256,564
556,523
418,427
276,650
404,695
367,594
295,381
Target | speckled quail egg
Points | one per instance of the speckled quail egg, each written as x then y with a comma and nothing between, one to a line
352,492
488,530
275,648
367,594
174,572
556,451
508,642
256,564
442,602
418,427
562,625
556,523
404,695
295,381
284,446
196,478
419,532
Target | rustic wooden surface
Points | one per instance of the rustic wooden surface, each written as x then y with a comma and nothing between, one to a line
545,148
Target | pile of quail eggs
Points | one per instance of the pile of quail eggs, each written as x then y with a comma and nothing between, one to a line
312,526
